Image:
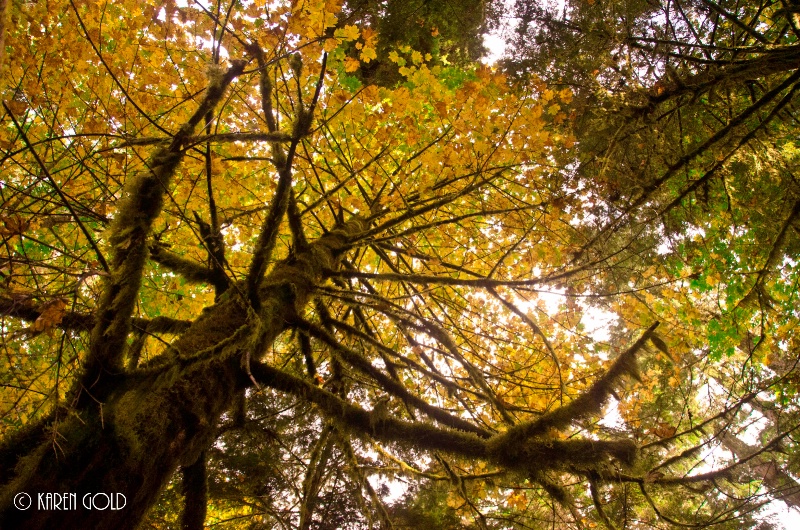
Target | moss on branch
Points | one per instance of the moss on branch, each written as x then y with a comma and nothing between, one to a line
523,455
190,270
587,404
141,205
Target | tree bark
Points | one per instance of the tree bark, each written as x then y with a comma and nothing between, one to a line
195,494
780,484
162,416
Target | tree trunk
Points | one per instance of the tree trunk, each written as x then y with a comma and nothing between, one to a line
160,417
780,484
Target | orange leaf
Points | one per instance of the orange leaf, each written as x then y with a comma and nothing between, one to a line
51,315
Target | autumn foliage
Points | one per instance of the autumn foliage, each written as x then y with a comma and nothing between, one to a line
248,281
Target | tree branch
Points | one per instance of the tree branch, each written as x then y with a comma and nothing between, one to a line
130,231
195,495
390,385
518,454
57,189
25,309
587,404
283,164
190,270
212,138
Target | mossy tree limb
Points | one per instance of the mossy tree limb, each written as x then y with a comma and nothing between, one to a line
144,197
524,455
190,270
119,445
29,310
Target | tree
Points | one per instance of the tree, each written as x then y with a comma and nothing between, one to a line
703,94
446,33
451,31
252,282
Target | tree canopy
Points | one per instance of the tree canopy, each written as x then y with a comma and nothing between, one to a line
308,265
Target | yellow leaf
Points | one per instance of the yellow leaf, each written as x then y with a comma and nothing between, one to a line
367,54
454,501
51,315
348,32
331,44
517,500
351,65
14,225
370,37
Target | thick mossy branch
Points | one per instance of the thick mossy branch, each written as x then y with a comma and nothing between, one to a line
565,455
145,329
308,356
268,235
394,387
528,456
24,441
558,493
135,350
353,418
161,325
265,87
587,404
144,197
27,310
190,270
211,235
219,326
296,224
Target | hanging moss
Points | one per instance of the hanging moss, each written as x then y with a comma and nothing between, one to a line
581,454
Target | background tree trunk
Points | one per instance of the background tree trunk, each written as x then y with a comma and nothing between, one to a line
780,484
